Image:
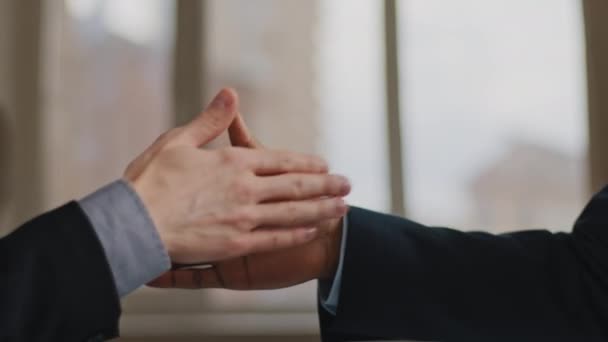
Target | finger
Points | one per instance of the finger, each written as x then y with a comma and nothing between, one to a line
239,134
188,279
269,162
215,119
268,240
299,213
294,186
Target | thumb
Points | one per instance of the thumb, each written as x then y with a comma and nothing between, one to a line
215,119
239,134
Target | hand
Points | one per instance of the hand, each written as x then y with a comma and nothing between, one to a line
211,205
271,270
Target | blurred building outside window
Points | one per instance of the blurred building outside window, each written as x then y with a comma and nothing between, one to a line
494,113
109,89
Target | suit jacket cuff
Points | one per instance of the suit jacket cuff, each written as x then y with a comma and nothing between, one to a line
129,238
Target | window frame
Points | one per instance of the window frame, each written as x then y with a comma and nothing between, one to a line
393,110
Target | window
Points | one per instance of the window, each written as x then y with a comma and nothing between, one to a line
494,107
293,64
493,113
108,84
107,93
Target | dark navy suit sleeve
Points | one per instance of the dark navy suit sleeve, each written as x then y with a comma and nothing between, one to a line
55,282
402,280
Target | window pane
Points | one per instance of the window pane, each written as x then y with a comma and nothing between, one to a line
310,77
494,112
108,89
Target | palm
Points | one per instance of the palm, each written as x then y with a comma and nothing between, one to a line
280,268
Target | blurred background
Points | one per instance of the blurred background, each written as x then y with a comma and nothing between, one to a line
472,114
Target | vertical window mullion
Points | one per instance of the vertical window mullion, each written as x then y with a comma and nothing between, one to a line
596,30
393,121
25,97
188,59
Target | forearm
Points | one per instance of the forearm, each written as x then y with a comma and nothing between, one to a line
404,280
56,283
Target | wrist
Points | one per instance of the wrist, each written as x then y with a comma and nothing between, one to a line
148,200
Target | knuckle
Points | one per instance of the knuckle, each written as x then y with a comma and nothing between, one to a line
286,163
169,136
176,132
315,163
320,163
298,188
164,136
243,219
291,209
312,163
236,157
332,207
162,143
329,185
228,156
327,207
319,209
292,212
244,190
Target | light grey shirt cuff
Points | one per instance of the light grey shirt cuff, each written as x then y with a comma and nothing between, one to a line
129,238
330,301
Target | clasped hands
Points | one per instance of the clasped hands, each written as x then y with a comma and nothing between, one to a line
261,218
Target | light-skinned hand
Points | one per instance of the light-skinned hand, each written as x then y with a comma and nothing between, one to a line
211,205
270,270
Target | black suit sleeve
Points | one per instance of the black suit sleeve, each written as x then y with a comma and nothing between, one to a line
402,280
55,282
